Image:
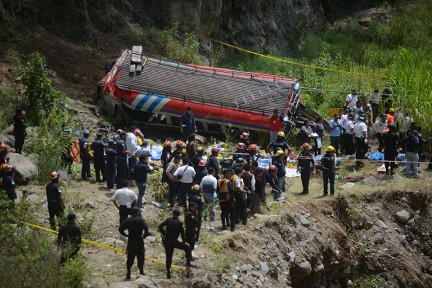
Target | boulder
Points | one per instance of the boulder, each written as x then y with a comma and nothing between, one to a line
304,221
264,267
402,216
305,269
381,224
25,168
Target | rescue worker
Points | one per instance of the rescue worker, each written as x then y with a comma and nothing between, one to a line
208,185
166,157
111,167
201,171
187,124
171,229
4,150
252,157
240,151
348,139
142,169
240,196
121,160
8,182
272,179
197,198
55,200
185,175
191,147
172,181
191,222
123,200
212,161
132,146
198,157
305,166
390,142
137,232
279,162
20,127
226,200
361,141
69,239
390,116
279,143
249,183
328,166
85,155
179,147
259,193
244,138
99,157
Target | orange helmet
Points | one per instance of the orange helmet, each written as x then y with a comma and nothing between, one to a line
202,163
196,188
252,147
306,146
179,143
8,167
54,175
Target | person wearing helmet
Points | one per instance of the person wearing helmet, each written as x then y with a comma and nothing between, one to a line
85,155
185,175
8,182
111,166
55,200
212,161
187,124
279,162
272,179
240,196
171,229
276,121
379,127
226,199
305,166
252,156
240,151
335,132
197,198
391,142
99,157
361,140
179,146
19,122
166,157
244,138
201,171
279,143
137,232
69,233
328,166
390,116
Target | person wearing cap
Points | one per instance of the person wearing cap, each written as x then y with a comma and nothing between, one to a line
85,155
391,142
121,160
361,140
212,161
187,124
55,200
276,121
328,166
244,138
185,175
8,182
335,132
142,169
201,171
131,146
69,238
137,232
279,162
171,229
279,143
411,145
348,144
375,101
305,166
351,99
191,224
379,127
387,97
241,195
208,185
226,199
20,127
99,157
172,181
111,164
123,200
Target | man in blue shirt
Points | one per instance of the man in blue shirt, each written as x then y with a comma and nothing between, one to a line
335,132
187,124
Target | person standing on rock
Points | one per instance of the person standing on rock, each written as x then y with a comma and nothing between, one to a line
111,166
121,160
171,229
19,129
328,166
8,182
55,200
99,157
226,200
142,169
85,155
123,200
137,232
69,233
305,166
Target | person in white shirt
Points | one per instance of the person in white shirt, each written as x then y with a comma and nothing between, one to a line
143,150
379,126
132,147
123,200
360,134
208,186
351,99
185,175
347,138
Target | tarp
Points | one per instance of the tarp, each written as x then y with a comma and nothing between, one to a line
377,155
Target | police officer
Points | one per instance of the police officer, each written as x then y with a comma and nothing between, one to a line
240,195
54,197
191,222
20,129
121,160
226,200
305,166
99,157
85,156
69,233
111,166
137,231
279,162
391,142
8,182
197,198
328,166
171,229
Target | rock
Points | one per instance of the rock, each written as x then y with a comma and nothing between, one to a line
234,277
304,221
149,239
7,139
305,269
369,224
381,224
347,185
370,180
25,169
156,204
89,205
402,216
403,239
258,275
319,267
246,268
264,267
429,271
292,256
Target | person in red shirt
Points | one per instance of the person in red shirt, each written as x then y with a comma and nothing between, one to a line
275,124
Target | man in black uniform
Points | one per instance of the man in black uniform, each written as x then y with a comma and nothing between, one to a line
111,167
70,234
99,157
137,231
55,200
191,223
8,182
305,166
85,156
171,229
226,199
391,142
328,165
20,129
121,160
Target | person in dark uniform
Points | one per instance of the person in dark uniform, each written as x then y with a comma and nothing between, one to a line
69,234
8,182
121,160
279,162
99,157
142,169
391,142
213,162
20,129
241,195
111,166
137,231
166,157
55,200
171,229
197,198
187,124
85,156
305,166
328,166
259,192
191,223
226,200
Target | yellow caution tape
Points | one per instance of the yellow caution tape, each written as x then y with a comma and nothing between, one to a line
296,63
97,244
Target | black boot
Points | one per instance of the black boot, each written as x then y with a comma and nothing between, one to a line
128,274
168,274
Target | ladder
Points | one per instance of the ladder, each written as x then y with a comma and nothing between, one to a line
291,116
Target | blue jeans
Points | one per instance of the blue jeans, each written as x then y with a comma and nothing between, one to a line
141,191
329,177
281,183
209,204
412,160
